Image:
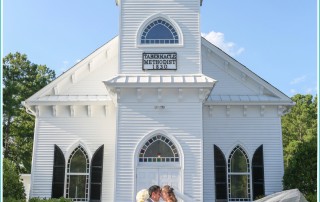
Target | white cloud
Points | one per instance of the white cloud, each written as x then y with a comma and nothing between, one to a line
217,38
293,91
309,90
298,80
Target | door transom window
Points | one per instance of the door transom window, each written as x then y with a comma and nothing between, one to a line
159,149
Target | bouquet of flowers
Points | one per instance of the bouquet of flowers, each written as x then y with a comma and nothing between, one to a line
142,195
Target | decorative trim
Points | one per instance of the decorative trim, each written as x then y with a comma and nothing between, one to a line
245,110
54,110
89,108
210,111
74,77
228,107
262,110
72,110
261,89
90,66
56,90
244,77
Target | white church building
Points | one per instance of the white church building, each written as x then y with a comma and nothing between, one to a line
158,104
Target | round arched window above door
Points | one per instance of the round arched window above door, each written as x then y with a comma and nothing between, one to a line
159,149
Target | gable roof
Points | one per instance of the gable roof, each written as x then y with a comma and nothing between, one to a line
64,88
69,86
264,92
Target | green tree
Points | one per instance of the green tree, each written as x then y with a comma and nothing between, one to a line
300,146
21,79
300,124
12,185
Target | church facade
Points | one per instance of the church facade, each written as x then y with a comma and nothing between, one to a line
158,104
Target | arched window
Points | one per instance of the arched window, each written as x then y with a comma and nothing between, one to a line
238,175
159,31
159,149
78,175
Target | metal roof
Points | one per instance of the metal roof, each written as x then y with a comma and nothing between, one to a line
160,80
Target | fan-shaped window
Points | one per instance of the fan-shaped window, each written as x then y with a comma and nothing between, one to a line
159,31
78,175
238,175
159,149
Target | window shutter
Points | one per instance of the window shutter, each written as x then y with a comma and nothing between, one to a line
258,173
96,175
58,173
220,171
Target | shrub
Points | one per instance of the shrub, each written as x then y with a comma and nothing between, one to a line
12,185
10,199
62,199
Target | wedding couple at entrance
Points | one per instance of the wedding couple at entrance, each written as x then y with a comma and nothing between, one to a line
154,193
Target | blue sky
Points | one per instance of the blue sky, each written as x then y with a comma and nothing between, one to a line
275,39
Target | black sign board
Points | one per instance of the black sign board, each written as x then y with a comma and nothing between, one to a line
159,61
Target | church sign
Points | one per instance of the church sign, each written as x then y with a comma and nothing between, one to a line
159,61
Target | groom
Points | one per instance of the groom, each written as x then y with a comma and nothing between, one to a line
154,193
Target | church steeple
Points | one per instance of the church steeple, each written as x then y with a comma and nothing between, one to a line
160,35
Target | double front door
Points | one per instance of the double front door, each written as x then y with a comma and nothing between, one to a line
147,177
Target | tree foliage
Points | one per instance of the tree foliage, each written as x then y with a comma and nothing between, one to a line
300,146
21,79
12,185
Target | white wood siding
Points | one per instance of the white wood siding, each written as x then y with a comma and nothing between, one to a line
184,12
229,83
182,120
250,132
65,132
89,76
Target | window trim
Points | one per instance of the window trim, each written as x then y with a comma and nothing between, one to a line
148,21
153,139
248,174
87,174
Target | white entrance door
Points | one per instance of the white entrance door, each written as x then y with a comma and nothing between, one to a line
147,177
